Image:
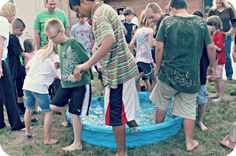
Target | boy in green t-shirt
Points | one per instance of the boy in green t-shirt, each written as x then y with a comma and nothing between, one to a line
71,53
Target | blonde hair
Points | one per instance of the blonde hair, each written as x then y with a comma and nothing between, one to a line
154,7
225,4
7,9
47,52
54,24
143,20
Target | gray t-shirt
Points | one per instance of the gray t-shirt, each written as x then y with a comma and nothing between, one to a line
183,38
83,33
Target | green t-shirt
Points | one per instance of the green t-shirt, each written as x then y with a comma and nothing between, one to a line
72,53
42,17
118,65
183,38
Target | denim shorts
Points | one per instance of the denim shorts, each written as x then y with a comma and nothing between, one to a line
202,96
31,97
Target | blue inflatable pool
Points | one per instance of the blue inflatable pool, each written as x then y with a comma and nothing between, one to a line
96,133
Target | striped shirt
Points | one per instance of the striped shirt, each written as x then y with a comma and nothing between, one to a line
118,65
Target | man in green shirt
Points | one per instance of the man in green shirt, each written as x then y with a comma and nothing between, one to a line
50,11
118,67
180,41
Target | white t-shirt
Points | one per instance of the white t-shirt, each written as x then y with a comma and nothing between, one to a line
41,73
4,31
144,53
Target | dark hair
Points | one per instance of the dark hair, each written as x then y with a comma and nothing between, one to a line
128,11
28,45
18,23
74,3
214,21
178,4
198,13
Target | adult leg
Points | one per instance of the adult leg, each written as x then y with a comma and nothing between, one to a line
11,100
228,65
188,130
119,133
77,129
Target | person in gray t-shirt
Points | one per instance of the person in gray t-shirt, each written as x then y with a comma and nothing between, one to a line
82,31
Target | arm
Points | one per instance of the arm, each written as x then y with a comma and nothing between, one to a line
159,57
37,39
2,40
151,40
124,29
105,47
211,52
131,44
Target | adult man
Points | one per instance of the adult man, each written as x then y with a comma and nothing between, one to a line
154,12
50,11
118,67
180,41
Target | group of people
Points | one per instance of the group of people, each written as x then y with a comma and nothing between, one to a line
167,50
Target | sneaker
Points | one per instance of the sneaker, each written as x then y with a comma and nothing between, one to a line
229,78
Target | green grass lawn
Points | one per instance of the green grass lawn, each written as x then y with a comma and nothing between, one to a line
217,119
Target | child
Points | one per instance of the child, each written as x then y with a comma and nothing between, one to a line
16,68
71,53
130,27
202,97
83,33
214,25
40,75
29,47
144,41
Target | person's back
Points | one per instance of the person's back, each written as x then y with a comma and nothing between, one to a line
143,53
183,47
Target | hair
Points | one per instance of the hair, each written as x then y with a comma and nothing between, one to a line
18,24
47,52
154,7
28,45
54,24
215,21
7,9
76,2
225,4
128,11
198,13
143,20
178,4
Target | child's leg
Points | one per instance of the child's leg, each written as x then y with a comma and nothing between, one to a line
137,79
148,85
201,112
77,128
62,110
27,118
220,91
47,129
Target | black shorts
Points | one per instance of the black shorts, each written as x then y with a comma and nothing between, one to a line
147,69
79,99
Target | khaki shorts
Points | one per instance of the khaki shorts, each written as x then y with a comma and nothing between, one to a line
184,104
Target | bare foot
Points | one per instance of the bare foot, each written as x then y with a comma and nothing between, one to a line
65,124
217,101
50,142
192,146
202,126
72,147
24,129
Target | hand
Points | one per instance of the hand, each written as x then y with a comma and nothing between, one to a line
210,73
72,78
227,33
1,71
77,72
